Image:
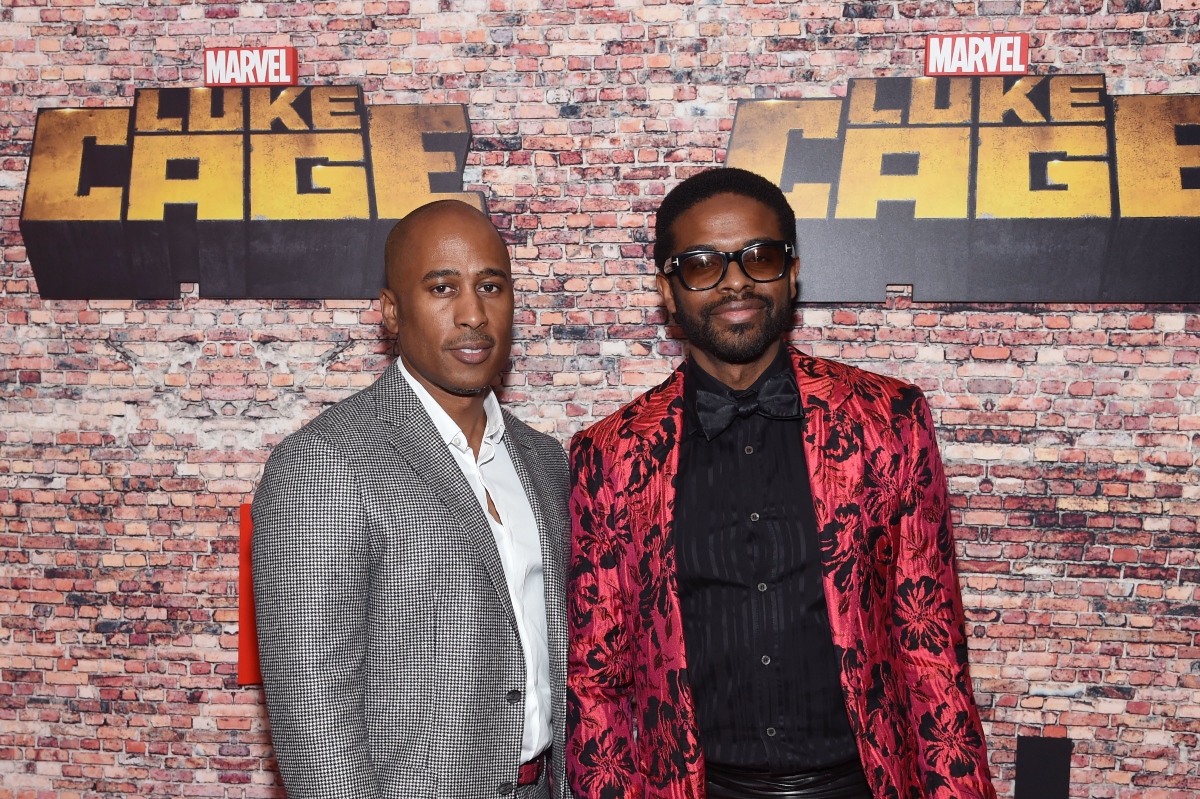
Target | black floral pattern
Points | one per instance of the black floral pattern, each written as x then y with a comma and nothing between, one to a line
921,614
953,742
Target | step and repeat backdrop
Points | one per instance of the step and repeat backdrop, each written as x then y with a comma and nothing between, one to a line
194,198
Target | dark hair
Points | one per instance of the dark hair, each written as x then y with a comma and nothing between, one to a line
702,186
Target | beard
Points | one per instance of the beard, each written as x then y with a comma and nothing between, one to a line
742,343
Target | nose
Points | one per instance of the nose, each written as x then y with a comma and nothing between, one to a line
735,278
469,311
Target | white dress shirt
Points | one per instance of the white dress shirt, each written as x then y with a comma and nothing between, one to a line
517,539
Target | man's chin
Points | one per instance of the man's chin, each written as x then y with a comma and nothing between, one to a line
465,390
739,344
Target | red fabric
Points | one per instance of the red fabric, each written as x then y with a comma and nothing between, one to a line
531,772
888,562
248,672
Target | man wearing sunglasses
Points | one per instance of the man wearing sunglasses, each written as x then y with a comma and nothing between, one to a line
763,599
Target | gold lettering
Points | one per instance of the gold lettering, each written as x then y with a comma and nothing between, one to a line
862,105
146,103
1003,188
216,190
939,187
994,101
52,188
1076,98
200,116
401,164
1150,161
759,144
333,108
264,111
334,162
923,110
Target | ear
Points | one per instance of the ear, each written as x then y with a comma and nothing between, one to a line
667,291
794,277
389,306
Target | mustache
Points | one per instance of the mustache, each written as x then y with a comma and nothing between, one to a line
749,294
471,340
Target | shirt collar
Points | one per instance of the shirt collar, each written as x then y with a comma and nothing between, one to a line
447,428
695,377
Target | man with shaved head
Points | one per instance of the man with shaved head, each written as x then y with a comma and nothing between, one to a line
409,554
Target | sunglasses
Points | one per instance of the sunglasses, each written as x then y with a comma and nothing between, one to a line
700,270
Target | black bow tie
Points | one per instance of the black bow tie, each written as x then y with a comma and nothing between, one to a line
777,399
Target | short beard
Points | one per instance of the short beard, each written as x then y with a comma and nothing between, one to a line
745,343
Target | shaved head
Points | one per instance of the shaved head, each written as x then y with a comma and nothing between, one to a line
421,223
449,298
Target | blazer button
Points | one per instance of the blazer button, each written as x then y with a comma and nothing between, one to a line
505,788
513,696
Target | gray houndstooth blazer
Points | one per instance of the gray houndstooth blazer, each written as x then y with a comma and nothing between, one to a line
389,649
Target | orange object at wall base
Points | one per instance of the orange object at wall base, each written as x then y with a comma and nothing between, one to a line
248,670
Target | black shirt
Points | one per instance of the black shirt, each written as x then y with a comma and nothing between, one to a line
761,660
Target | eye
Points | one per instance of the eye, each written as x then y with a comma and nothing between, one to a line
442,289
701,262
491,288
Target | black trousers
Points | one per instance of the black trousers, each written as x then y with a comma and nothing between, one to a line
843,781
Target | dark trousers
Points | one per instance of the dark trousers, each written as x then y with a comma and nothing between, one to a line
843,781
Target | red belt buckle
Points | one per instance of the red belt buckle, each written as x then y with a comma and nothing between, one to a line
531,772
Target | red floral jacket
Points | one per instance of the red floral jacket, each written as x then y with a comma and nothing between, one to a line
887,553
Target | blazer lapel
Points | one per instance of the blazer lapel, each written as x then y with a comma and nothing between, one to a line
552,542
417,440
659,424
519,448
553,535
832,478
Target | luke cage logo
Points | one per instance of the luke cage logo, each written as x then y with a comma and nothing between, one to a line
252,193
1037,189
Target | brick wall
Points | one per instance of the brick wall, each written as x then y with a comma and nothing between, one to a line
130,432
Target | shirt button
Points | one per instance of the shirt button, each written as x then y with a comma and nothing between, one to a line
505,788
771,732
753,517
749,450
513,696
762,587
766,659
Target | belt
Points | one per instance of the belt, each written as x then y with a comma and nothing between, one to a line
841,781
531,772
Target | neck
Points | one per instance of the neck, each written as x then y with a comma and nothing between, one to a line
467,411
738,376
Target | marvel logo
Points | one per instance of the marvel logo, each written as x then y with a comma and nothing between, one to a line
250,66
977,54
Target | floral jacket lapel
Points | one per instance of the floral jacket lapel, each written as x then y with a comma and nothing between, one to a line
654,462
832,451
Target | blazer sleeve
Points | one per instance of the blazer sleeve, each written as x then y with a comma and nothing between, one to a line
600,734
311,566
929,625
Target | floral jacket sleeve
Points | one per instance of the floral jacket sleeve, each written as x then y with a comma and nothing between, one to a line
928,626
